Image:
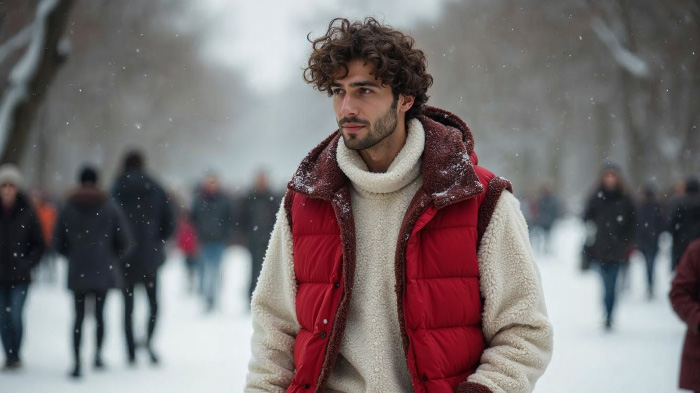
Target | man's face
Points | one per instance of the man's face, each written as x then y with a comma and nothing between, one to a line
8,194
609,180
211,185
366,110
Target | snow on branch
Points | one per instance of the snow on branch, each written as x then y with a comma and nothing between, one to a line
21,75
634,64
16,42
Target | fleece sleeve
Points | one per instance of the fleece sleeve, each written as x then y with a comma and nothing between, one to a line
275,324
516,328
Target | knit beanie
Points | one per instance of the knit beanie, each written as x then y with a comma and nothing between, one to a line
88,175
9,173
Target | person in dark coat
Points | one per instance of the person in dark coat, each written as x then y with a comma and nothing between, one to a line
546,213
684,221
21,247
212,217
260,209
92,233
151,222
650,224
685,299
612,215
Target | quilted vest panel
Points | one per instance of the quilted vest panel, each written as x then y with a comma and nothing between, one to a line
317,266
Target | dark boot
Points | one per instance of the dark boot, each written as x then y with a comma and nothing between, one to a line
98,361
152,354
76,373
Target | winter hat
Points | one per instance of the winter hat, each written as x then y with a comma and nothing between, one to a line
611,166
133,159
9,173
88,175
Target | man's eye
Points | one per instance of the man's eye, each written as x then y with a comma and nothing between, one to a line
365,91
336,92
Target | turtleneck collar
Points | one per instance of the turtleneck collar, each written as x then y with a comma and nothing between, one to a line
405,168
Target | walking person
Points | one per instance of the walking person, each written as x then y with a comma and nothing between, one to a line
151,221
21,248
397,263
212,217
547,212
650,224
611,214
47,214
259,211
685,299
92,233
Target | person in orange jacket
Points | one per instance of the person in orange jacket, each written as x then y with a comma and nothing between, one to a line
47,214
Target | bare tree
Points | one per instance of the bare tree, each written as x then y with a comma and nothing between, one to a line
31,76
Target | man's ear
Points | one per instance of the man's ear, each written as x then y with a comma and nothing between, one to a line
406,102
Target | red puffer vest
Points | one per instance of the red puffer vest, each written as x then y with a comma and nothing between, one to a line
437,271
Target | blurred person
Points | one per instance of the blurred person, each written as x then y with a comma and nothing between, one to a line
187,242
92,233
685,299
212,218
21,247
259,211
650,224
47,215
396,263
684,219
546,213
151,222
611,215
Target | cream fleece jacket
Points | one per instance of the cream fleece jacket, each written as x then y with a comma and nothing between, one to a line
371,357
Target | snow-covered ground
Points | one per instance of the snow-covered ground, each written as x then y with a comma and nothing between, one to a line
203,352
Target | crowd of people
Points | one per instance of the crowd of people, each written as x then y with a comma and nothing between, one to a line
619,224
116,239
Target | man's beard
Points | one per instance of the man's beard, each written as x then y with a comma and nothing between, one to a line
382,127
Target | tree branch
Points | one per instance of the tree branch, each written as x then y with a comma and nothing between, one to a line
629,61
30,77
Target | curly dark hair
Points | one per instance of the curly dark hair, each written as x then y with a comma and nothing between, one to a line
397,63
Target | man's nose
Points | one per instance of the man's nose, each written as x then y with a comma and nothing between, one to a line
349,107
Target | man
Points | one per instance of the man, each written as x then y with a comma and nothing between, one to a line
21,248
684,221
258,218
212,219
151,222
396,264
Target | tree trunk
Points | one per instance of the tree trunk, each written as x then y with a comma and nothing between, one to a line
51,60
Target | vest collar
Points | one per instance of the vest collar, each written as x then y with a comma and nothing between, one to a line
447,168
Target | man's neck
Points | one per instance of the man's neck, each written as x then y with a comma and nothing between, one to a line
379,157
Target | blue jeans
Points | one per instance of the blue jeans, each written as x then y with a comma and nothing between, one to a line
609,272
210,256
12,298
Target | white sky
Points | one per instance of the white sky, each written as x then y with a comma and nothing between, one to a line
266,39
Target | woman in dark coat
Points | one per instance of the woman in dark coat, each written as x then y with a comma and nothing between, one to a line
92,233
611,212
685,298
21,248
